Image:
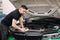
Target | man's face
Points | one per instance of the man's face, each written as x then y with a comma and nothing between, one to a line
22,11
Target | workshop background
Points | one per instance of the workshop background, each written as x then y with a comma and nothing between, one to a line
40,6
1,6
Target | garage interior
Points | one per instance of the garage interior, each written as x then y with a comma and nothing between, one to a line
41,7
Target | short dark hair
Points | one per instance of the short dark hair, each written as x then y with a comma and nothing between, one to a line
24,6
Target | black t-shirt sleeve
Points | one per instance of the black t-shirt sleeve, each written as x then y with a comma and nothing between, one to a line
8,19
16,15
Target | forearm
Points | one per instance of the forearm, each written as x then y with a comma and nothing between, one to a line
21,22
15,26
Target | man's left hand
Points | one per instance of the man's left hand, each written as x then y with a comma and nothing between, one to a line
24,29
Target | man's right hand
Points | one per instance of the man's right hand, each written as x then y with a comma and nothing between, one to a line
23,29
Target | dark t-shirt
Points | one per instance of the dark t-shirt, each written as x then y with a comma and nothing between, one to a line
7,21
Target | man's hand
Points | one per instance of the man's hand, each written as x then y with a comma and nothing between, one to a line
23,29
26,29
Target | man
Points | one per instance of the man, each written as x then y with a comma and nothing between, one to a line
11,19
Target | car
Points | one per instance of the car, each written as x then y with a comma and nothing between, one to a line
46,27
48,23
2,16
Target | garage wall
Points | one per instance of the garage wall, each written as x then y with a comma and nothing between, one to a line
36,5
7,6
1,6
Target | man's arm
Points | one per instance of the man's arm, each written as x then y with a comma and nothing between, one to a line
14,24
21,21
21,24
